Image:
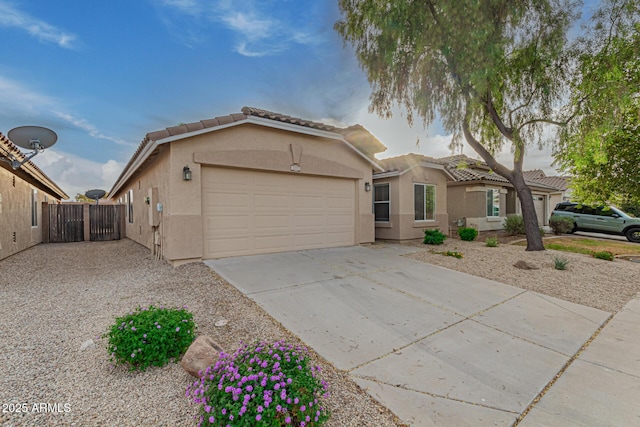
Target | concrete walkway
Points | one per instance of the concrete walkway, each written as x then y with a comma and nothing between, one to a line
439,347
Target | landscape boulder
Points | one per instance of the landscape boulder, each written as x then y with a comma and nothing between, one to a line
523,265
202,353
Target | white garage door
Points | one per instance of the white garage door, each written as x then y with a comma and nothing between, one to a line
251,212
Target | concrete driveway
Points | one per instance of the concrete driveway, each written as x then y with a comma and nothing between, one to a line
435,346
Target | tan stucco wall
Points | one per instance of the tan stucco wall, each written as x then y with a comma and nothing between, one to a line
402,224
154,175
470,201
15,214
244,146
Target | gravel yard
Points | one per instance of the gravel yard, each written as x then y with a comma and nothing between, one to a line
606,285
56,297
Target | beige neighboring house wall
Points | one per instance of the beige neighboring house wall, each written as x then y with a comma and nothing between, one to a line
22,193
467,205
261,182
401,175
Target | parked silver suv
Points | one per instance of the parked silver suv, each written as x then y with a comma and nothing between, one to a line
601,219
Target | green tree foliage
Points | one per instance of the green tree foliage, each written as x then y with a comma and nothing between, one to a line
493,71
600,148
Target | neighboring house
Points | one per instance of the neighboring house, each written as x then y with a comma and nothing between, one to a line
409,197
561,183
22,193
480,198
249,183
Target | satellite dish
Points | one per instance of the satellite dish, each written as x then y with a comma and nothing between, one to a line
34,138
95,194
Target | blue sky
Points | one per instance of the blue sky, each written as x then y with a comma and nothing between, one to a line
103,74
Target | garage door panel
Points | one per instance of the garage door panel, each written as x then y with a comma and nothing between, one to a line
250,212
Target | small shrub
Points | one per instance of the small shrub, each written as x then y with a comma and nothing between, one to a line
491,242
454,254
560,224
468,234
150,336
560,263
433,237
606,255
514,225
261,385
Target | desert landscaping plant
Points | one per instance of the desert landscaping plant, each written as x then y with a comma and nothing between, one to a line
560,224
491,242
514,225
433,237
454,254
263,384
606,255
560,263
468,234
150,336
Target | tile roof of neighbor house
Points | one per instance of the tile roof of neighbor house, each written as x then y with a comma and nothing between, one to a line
460,167
534,174
356,135
405,162
29,168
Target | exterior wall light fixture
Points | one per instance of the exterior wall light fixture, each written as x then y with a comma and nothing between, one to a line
367,186
186,173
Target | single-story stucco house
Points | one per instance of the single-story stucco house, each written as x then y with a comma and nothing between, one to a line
249,183
560,183
410,196
22,192
482,199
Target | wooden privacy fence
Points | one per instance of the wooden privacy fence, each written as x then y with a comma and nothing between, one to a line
75,222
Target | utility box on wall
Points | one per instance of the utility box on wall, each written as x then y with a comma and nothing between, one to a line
152,201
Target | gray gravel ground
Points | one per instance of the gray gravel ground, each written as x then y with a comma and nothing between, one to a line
55,297
606,285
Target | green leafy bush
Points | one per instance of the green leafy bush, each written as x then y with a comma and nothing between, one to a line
454,254
560,263
433,237
150,336
491,242
560,224
606,255
467,233
261,385
514,225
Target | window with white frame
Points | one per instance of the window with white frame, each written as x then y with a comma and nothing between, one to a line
493,202
129,197
381,202
424,202
34,207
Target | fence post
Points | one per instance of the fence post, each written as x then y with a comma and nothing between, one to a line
87,222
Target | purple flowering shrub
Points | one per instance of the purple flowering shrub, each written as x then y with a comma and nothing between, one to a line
261,385
150,336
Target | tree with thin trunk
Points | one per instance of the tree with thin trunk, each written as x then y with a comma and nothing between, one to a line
494,71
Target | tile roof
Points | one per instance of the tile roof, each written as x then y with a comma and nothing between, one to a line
462,169
404,162
7,147
356,135
534,174
559,182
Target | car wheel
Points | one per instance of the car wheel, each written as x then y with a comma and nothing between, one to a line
633,235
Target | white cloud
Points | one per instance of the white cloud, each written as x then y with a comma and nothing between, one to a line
13,18
257,29
90,128
76,175
31,102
